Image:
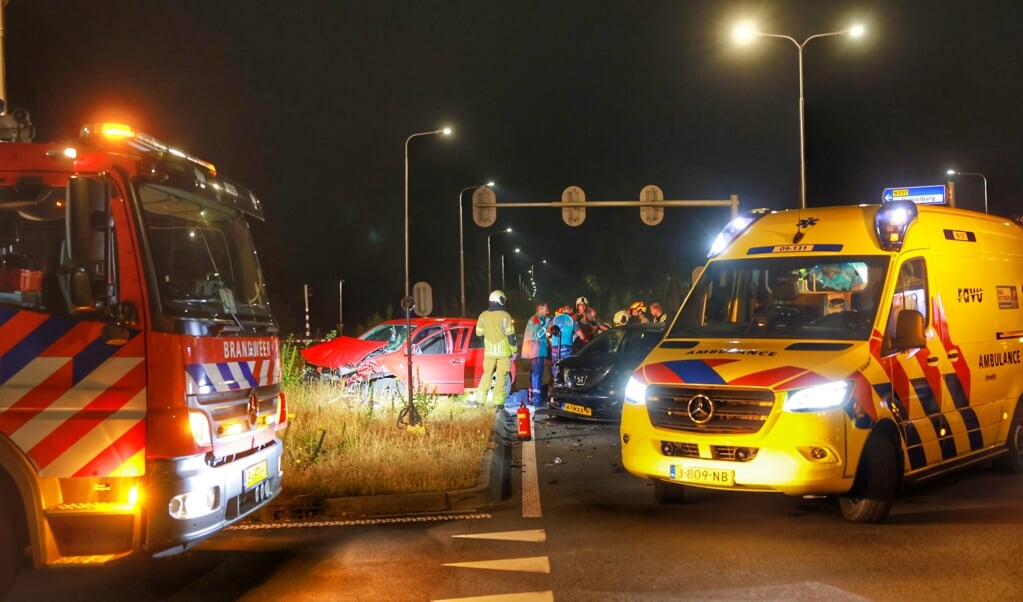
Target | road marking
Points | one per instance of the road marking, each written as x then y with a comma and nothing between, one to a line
391,520
547,596
526,535
529,564
530,484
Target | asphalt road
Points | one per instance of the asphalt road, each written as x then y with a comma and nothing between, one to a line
590,531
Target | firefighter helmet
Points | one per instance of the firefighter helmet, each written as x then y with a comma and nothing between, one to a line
621,317
582,301
498,297
637,306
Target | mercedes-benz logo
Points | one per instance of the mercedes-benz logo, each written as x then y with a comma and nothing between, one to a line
700,409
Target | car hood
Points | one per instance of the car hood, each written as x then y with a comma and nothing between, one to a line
340,352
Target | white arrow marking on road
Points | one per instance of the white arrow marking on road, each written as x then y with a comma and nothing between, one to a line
547,596
531,564
526,535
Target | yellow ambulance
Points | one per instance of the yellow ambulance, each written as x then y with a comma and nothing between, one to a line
841,351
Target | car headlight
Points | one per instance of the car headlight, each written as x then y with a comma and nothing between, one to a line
822,397
635,391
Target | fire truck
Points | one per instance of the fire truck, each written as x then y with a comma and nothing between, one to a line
140,395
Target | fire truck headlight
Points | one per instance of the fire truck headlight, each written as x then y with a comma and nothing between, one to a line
201,431
822,397
194,503
635,391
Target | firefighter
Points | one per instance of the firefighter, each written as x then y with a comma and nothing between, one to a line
637,313
498,331
657,313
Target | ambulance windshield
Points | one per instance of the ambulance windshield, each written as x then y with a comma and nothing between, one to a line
785,297
205,261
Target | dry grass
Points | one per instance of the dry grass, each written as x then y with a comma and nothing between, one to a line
337,446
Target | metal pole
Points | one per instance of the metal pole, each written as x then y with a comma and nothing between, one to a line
490,285
305,293
461,252
802,132
340,307
503,285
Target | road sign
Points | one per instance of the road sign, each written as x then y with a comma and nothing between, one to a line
484,216
923,195
651,215
573,216
422,293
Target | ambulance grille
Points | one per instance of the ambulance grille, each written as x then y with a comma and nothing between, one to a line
735,411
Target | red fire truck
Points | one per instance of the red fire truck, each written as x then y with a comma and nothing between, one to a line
139,363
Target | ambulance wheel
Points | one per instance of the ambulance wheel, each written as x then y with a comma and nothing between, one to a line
873,491
1012,461
669,493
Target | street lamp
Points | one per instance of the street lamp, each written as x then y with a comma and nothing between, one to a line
407,302
504,286
953,172
490,285
744,34
461,242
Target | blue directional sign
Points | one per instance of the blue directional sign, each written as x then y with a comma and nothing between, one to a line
921,195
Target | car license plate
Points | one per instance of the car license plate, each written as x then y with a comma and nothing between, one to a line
581,410
256,474
689,473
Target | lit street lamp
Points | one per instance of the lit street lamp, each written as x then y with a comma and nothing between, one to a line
461,242
953,172
490,285
407,302
744,33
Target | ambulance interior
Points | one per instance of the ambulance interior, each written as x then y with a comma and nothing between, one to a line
785,297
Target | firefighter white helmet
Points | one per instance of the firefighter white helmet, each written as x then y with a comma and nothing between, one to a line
582,301
621,317
498,297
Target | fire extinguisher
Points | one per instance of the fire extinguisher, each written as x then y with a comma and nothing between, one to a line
525,425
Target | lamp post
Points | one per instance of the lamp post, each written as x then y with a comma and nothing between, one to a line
407,302
504,286
953,172
461,242
490,284
744,33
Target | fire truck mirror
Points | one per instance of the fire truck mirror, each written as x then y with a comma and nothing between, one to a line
80,290
87,211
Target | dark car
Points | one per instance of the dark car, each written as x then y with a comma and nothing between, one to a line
591,383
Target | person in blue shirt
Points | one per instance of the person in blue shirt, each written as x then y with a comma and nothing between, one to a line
562,332
836,277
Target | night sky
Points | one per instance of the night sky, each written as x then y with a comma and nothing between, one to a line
310,104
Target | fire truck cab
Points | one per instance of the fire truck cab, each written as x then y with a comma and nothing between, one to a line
139,364
840,351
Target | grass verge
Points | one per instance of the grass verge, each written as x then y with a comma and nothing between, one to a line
336,445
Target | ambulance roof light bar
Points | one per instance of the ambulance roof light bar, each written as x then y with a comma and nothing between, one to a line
139,140
733,229
891,223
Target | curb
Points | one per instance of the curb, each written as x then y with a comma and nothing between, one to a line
493,485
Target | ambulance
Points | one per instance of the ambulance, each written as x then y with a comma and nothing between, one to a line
842,351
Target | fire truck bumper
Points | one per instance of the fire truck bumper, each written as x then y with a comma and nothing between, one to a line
187,500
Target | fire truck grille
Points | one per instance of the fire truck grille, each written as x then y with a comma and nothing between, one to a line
727,411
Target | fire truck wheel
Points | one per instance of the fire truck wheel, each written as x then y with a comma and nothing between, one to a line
10,552
669,493
873,491
1012,461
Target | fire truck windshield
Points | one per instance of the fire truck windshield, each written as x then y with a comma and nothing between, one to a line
204,259
785,297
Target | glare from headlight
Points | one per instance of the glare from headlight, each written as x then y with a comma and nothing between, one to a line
822,397
635,392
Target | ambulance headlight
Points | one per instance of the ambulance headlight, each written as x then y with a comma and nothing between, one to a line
635,391
822,397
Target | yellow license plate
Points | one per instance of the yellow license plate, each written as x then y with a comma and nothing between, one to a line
688,473
581,410
256,474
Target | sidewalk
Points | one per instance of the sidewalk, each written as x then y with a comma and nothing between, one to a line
493,485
